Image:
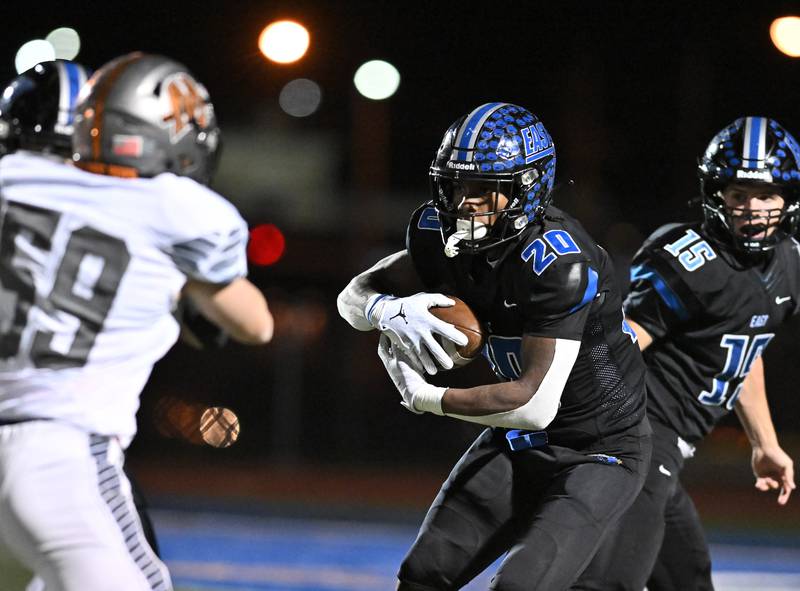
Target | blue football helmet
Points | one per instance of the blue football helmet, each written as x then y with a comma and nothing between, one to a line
37,108
504,145
758,151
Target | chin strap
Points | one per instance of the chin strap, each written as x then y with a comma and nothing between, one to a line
468,230
465,230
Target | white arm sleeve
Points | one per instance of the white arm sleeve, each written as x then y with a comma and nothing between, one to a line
356,298
541,409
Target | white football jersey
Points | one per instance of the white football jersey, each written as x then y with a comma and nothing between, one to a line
90,271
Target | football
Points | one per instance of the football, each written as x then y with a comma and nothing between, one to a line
463,318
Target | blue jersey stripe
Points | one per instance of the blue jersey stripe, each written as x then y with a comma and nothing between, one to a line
591,290
470,126
74,76
669,297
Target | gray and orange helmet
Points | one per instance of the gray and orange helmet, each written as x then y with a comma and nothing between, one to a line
142,115
500,143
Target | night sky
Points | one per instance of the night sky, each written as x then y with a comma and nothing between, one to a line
630,91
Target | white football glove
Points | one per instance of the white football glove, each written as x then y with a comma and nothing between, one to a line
410,325
418,395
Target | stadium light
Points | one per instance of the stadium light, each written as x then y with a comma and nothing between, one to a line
32,53
785,34
65,41
377,80
284,42
300,98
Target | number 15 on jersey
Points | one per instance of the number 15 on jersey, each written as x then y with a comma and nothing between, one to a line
690,253
737,365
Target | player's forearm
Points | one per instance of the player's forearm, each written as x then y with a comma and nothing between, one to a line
528,403
355,299
486,399
508,405
752,409
238,308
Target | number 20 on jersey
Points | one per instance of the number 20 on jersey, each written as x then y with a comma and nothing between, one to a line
559,241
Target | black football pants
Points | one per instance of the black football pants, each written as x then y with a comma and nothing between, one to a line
659,542
549,516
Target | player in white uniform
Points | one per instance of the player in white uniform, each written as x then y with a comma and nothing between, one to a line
91,267
36,114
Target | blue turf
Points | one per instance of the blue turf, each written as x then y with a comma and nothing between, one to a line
222,551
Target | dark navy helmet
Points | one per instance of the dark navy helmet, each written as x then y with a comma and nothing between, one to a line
37,108
751,151
504,145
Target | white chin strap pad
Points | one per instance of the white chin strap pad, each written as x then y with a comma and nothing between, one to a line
465,230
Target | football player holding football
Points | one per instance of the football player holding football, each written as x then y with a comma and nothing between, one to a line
706,299
568,442
93,258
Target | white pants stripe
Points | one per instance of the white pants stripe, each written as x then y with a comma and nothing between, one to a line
124,512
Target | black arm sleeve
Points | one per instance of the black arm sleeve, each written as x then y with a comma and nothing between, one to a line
424,246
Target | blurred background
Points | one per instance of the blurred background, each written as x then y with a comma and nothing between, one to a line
327,166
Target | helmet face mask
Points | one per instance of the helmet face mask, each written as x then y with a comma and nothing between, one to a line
504,150
476,210
752,155
749,229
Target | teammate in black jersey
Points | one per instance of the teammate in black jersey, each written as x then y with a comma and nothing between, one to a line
569,442
706,299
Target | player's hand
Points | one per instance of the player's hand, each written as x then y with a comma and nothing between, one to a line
773,470
406,375
410,326
196,330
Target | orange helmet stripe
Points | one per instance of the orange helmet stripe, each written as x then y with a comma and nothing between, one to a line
101,94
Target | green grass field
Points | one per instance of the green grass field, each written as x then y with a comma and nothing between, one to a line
12,576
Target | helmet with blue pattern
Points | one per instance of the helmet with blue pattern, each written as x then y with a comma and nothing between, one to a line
507,147
37,108
751,151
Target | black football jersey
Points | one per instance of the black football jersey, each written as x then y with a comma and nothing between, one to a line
711,316
555,281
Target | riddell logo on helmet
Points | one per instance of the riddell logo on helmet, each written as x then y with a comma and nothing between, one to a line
461,165
761,175
185,102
